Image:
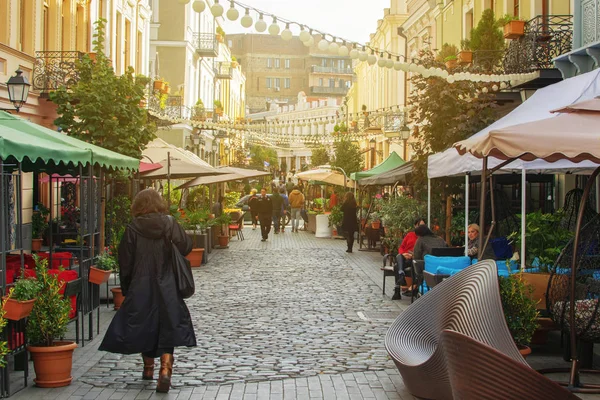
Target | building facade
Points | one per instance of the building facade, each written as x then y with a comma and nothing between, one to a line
277,70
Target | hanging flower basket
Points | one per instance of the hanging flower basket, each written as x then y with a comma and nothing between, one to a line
98,276
159,85
17,310
514,29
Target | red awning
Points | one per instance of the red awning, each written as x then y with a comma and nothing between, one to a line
147,167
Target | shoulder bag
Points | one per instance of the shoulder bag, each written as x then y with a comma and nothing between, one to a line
181,267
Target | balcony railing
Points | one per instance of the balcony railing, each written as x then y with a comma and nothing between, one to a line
53,69
331,70
546,37
223,70
328,90
206,44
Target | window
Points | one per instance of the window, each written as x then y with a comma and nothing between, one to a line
287,63
45,27
341,64
277,82
332,83
230,43
320,81
269,63
323,63
287,83
268,85
342,83
277,65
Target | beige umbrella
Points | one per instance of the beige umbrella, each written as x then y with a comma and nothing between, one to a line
573,135
228,174
326,175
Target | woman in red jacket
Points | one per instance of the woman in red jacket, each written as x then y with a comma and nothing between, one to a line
405,253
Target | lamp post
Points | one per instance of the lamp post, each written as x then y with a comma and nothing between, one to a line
18,90
372,144
405,135
214,150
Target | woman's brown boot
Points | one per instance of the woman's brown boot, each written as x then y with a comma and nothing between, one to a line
148,373
166,370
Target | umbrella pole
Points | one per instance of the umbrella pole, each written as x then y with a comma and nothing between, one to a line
482,208
466,214
523,215
169,180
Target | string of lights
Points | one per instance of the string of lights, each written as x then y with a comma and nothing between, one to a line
342,47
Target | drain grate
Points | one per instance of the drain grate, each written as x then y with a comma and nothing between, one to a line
374,315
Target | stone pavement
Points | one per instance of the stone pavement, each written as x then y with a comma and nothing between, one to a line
291,318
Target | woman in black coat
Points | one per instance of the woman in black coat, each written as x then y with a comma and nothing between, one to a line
349,222
153,319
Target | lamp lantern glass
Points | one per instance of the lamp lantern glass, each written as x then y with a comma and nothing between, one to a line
372,143
18,89
405,132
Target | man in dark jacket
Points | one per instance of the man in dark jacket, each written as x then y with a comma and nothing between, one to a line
265,213
277,201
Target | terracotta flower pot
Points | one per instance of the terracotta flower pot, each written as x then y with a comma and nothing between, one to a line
53,364
195,257
524,350
514,29
223,240
98,276
36,244
375,225
92,56
118,297
450,64
465,57
159,85
17,310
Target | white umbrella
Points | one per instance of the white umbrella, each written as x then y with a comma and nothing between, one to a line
326,174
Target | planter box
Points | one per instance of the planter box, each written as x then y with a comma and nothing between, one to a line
465,57
17,310
195,257
98,276
312,223
514,29
450,64
539,281
159,85
53,364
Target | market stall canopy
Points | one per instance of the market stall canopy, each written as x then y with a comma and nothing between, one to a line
573,134
537,107
229,174
398,174
40,148
325,175
184,164
393,161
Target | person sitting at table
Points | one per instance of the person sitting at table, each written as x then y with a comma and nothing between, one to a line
473,247
426,241
405,254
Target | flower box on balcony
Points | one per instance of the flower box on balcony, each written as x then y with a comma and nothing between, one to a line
159,85
514,29
92,56
465,57
166,89
219,111
220,38
453,63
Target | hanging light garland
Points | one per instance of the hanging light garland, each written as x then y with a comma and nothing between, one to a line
343,48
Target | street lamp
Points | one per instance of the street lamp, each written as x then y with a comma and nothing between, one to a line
405,135
18,89
372,144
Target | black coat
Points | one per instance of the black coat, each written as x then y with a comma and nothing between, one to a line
153,314
264,206
349,222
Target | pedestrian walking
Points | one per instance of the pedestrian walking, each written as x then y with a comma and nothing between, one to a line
289,186
153,319
349,222
217,208
296,199
253,204
265,213
277,209
286,205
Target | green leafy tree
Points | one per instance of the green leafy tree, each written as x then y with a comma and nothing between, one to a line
260,154
487,41
103,108
347,156
319,156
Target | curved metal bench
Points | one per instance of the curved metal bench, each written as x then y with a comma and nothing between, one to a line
469,303
479,372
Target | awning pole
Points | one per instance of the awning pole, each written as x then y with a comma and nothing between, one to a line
598,194
523,216
466,214
482,208
169,180
429,201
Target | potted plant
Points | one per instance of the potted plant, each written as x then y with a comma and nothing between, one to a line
234,62
52,359
166,88
220,35
20,299
451,62
104,266
199,111
38,226
159,84
545,237
192,223
364,110
335,219
519,310
514,27
465,55
218,107
223,220
375,220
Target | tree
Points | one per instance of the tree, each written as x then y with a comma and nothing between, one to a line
319,156
260,154
347,156
103,108
487,41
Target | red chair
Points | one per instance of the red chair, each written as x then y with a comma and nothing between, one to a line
238,225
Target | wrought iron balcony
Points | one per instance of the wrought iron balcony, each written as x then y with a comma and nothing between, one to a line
203,114
53,69
171,109
206,44
331,70
546,37
223,70
328,90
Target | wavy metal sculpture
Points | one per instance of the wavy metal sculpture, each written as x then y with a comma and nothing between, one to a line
468,303
480,372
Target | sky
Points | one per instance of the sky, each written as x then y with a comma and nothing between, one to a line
349,19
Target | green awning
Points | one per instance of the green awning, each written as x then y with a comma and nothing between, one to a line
34,144
393,161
